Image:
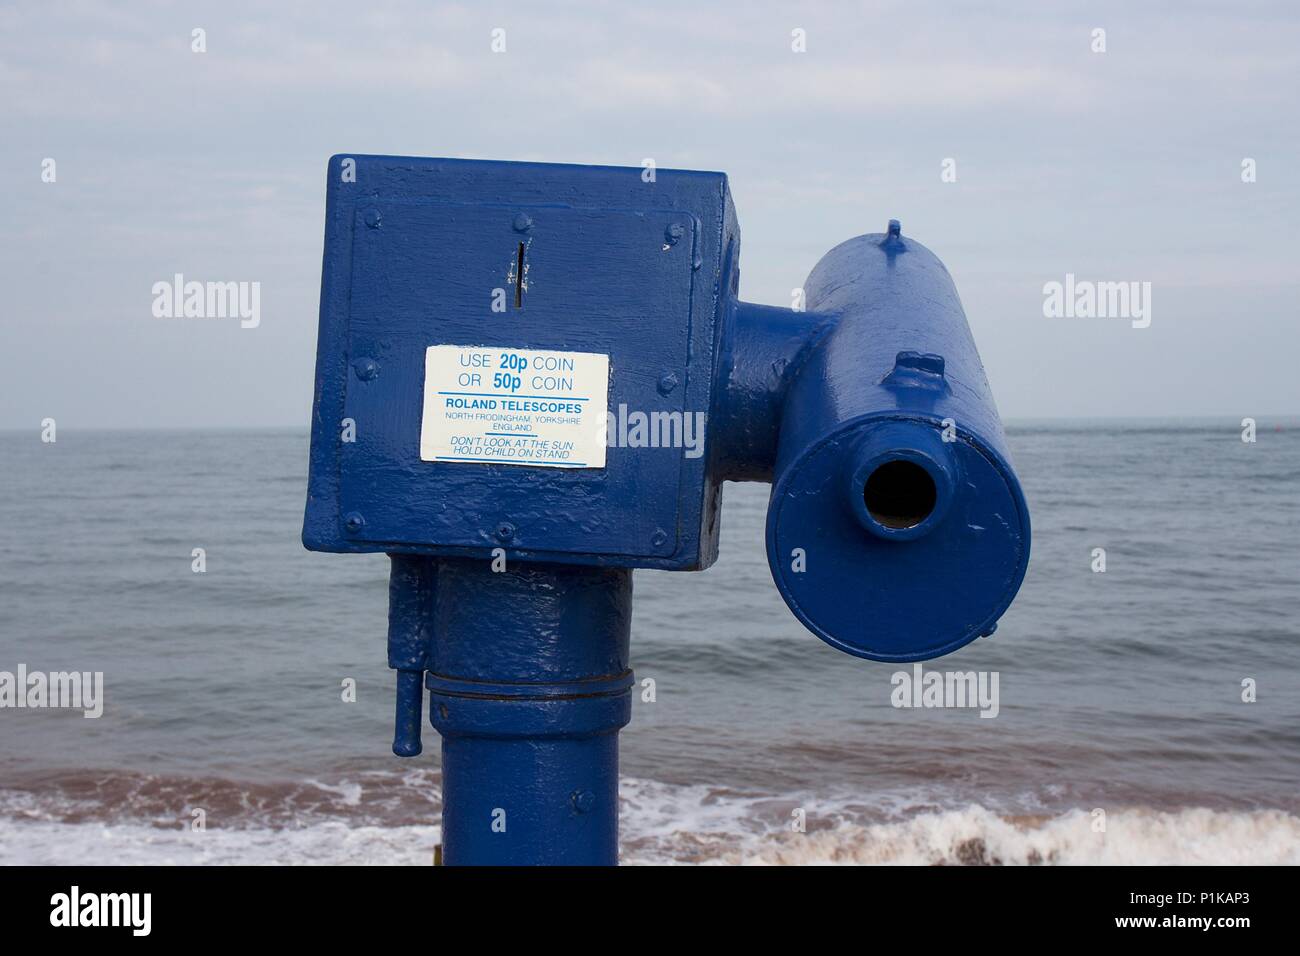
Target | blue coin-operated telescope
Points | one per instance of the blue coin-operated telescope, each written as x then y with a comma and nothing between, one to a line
533,378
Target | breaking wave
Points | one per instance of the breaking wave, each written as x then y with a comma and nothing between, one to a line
391,818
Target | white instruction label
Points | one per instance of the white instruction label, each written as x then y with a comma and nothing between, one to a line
514,406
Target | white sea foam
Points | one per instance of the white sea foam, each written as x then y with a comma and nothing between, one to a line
664,824
331,844
976,835
348,792
668,824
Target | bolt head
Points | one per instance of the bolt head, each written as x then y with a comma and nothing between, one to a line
505,531
373,218
523,222
366,369
354,522
584,801
667,382
674,233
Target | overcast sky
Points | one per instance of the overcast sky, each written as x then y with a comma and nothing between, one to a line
1122,165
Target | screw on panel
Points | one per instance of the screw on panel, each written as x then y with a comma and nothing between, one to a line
523,222
673,234
667,382
354,522
659,537
505,531
373,218
366,369
583,800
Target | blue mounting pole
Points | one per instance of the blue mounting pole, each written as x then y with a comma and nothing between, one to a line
896,529
529,686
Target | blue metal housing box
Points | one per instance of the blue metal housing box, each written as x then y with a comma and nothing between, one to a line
414,249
